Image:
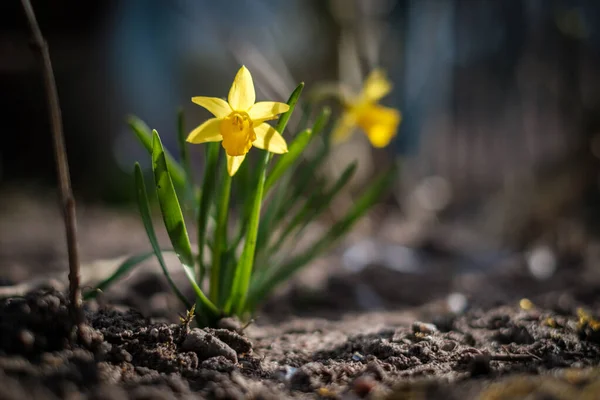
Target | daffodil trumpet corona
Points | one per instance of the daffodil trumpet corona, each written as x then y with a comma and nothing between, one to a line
240,122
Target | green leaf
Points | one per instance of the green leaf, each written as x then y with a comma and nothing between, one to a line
296,191
243,271
275,207
124,268
228,264
285,161
144,208
315,208
304,117
220,245
321,120
144,135
276,276
185,157
173,218
307,175
315,205
285,117
206,198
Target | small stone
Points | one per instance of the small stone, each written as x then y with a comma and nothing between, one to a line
326,393
285,373
206,346
526,304
363,385
542,262
423,327
457,302
154,333
27,338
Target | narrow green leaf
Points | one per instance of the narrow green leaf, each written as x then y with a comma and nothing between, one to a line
220,245
173,218
228,264
315,205
321,120
242,189
285,161
144,135
275,207
261,287
185,157
323,202
206,198
124,268
243,271
285,117
144,208
307,175
169,204
304,117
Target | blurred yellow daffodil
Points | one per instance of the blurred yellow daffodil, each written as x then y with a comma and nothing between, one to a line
379,123
240,122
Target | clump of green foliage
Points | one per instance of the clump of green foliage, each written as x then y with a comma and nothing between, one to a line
241,258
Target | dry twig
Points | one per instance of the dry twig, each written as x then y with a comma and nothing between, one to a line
60,153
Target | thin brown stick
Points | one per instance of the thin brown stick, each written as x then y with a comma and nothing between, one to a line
62,165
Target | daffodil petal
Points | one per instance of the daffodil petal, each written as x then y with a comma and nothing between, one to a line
218,107
267,138
379,124
343,127
207,132
381,136
376,86
234,163
266,110
241,94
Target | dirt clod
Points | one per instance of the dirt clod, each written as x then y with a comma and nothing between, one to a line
206,346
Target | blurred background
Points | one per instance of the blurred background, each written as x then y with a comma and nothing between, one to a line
499,139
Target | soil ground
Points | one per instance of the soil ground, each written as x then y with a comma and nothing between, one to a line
376,333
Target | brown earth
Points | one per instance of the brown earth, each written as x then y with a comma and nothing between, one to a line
441,331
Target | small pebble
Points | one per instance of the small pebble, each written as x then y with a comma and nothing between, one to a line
526,304
325,392
423,327
542,262
363,385
286,373
457,302
27,338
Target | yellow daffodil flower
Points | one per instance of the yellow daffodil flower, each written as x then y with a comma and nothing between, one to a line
379,123
240,122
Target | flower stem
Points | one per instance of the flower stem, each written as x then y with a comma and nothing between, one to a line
206,196
220,243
